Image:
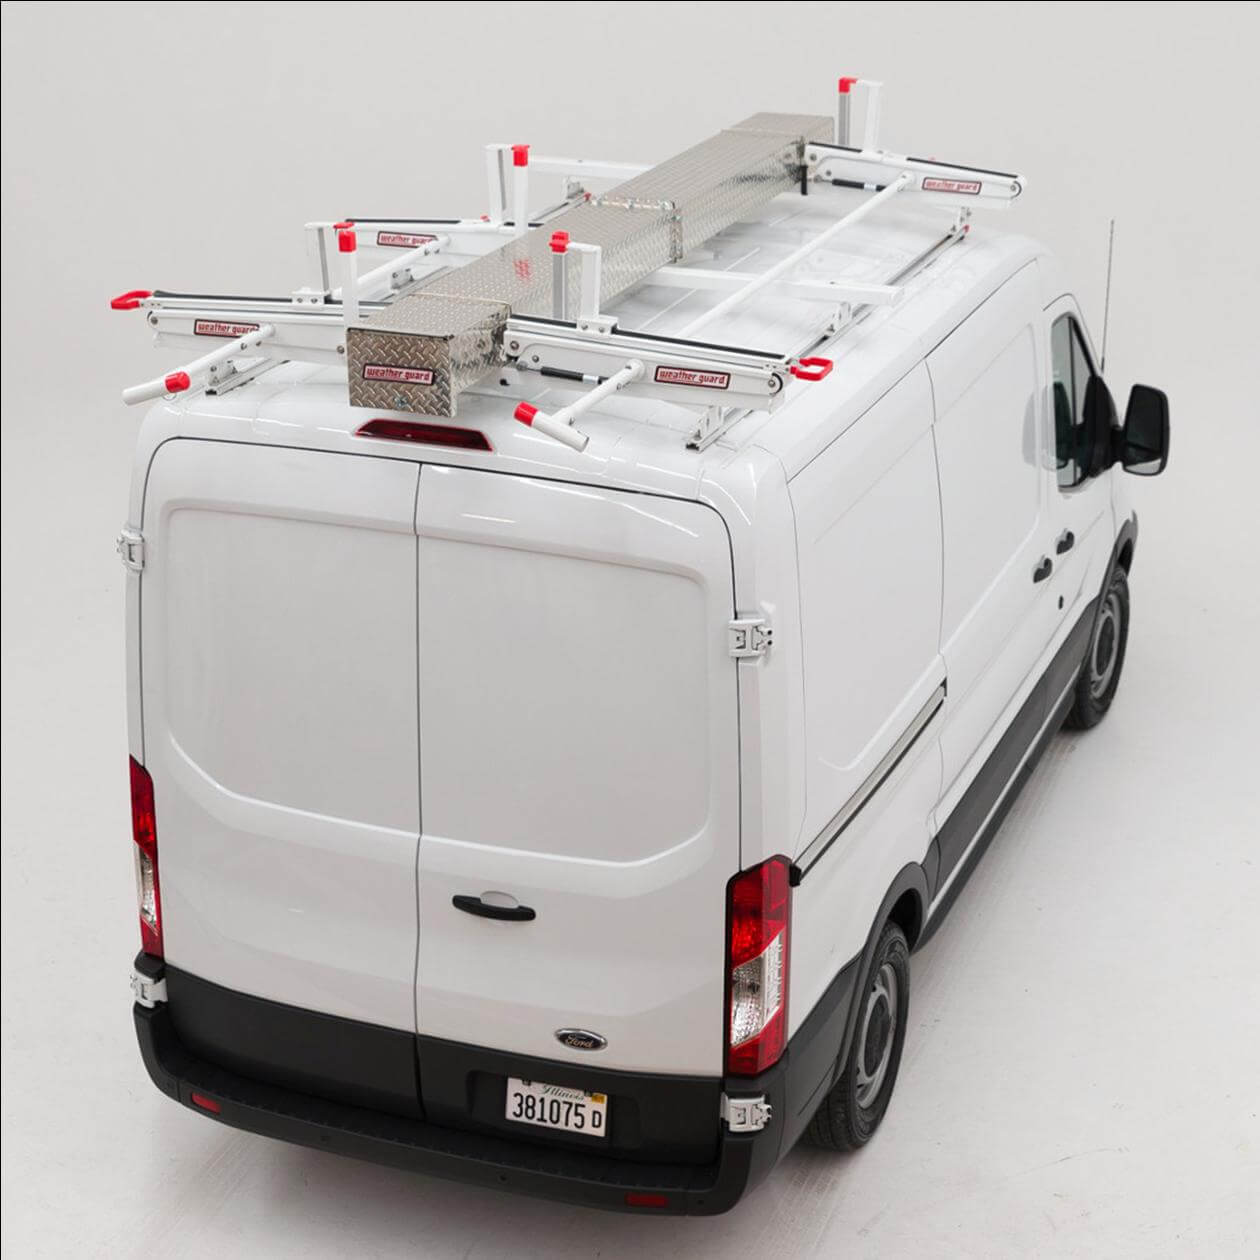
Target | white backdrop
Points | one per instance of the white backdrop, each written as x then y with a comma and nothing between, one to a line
1081,1072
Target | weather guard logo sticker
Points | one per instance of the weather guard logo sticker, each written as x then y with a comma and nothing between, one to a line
403,240
690,376
397,375
221,328
968,187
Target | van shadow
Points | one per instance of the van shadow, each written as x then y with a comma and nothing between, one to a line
384,1211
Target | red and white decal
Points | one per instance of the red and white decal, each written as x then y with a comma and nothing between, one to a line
969,187
692,376
403,240
398,375
221,328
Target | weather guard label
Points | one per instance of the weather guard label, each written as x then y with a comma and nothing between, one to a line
691,376
403,240
221,328
968,187
397,375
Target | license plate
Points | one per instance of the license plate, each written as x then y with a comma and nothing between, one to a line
557,1107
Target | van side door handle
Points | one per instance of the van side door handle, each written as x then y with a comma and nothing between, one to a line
1067,540
1045,566
474,905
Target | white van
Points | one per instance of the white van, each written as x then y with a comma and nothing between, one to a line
545,785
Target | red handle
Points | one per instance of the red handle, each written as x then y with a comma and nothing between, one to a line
129,301
811,369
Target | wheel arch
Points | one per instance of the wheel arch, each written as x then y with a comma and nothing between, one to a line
1125,545
905,903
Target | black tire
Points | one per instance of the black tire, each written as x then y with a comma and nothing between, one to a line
846,1120
1104,660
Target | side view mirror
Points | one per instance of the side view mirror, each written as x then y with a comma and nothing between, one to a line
1143,445
1098,419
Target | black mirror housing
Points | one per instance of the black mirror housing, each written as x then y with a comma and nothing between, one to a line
1143,445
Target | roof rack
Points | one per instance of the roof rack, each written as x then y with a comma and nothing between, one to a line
454,300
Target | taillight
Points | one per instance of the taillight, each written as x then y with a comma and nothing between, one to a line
144,832
758,919
425,431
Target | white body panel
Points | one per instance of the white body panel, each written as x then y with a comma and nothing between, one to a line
871,613
279,624
548,615
367,685
989,440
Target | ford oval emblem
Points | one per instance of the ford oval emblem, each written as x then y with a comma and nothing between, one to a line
580,1039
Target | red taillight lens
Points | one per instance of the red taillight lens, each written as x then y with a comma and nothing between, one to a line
758,917
144,833
423,431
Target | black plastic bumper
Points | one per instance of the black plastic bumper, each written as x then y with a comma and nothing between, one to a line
480,1156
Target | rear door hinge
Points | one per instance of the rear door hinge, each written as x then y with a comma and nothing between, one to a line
749,636
745,1115
148,990
130,546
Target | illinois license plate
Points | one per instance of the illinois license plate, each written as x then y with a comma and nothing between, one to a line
557,1107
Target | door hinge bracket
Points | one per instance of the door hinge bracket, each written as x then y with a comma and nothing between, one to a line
130,546
745,1115
147,991
749,636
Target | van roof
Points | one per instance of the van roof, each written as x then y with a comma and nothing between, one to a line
640,443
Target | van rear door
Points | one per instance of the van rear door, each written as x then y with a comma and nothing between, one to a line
278,648
579,760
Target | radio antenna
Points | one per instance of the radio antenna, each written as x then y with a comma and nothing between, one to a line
1111,249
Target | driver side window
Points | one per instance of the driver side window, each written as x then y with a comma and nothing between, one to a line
1070,373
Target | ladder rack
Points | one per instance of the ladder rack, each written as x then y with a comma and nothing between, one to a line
448,302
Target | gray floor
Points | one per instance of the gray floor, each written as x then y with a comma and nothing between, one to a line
1082,1071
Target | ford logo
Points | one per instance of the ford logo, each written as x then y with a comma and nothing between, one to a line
580,1039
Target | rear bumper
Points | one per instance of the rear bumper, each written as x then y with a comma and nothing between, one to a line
478,1158
481,1156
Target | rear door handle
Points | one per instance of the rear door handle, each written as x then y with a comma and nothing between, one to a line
474,905
1045,566
1067,540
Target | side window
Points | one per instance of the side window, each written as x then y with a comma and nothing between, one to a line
1070,373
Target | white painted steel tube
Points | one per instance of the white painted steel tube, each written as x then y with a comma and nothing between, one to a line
618,380
349,276
495,190
586,167
562,433
558,425
592,265
180,378
520,190
369,279
870,129
753,287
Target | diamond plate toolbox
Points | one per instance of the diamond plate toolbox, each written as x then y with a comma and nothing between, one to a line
421,351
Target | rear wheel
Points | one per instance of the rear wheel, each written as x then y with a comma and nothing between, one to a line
851,1112
1100,674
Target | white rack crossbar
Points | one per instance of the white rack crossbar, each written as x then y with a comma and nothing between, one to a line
794,259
